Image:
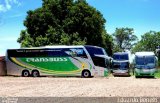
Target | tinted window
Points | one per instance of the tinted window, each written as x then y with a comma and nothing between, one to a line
145,60
93,51
56,53
140,61
98,61
121,66
36,53
78,52
120,57
16,53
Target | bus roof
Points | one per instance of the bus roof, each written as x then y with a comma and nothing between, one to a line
60,46
120,53
144,53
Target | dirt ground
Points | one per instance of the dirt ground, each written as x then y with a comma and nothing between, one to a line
78,87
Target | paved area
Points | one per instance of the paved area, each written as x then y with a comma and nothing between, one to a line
78,87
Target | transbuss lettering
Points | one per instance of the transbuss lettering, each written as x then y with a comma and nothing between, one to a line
37,60
45,59
65,59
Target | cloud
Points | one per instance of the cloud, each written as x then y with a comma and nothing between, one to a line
7,5
2,8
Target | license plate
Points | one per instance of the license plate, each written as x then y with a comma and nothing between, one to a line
145,70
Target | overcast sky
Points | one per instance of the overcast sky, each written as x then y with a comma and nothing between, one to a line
142,15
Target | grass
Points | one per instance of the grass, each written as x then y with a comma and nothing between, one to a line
157,74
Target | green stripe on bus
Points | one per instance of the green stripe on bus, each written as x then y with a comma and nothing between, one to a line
61,65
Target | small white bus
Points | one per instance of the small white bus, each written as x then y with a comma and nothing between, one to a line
145,64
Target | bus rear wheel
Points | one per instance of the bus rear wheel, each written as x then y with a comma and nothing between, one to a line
86,74
35,73
25,73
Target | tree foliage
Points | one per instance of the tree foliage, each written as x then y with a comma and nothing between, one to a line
124,39
65,22
149,41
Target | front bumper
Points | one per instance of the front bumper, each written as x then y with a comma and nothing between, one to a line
121,72
145,72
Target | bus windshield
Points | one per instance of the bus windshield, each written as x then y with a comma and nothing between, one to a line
120,57
145,60
97,60
121,66
104,52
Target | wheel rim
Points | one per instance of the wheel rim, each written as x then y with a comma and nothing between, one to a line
35,74
86,74
26,74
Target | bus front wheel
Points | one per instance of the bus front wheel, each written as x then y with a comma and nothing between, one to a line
86,74
35,73
25,73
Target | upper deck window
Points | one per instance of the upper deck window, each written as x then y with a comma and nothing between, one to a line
95,51
120,57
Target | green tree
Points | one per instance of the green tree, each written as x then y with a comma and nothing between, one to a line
124,39
149,41
67,22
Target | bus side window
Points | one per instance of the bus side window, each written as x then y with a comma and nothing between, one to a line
35,53
56,53
99,61
81,53
71,53
76,52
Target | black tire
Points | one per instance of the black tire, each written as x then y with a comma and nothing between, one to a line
111,71
35,73
86,74
137,76
25,73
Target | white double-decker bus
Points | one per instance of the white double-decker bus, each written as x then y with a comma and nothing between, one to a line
121,63
85,61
